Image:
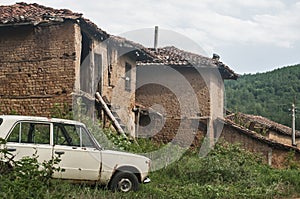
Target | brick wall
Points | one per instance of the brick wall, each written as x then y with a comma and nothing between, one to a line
37,68
170,92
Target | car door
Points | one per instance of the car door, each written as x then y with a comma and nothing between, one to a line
80,158
31,139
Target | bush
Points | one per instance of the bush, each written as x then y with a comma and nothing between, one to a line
25,178
231,172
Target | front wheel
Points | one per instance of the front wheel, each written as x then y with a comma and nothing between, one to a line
124,182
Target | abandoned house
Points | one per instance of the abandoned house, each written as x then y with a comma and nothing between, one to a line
273,152
267,128
48,56
188,87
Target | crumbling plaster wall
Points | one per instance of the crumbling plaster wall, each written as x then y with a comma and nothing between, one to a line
119,94
128,116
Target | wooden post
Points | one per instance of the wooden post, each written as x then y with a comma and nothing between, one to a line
137,123
293,125
270,157
110,115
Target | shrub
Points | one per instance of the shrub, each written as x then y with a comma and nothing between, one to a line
25,178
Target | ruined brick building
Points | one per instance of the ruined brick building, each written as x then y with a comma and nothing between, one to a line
189,87
267,128
276,152
48,56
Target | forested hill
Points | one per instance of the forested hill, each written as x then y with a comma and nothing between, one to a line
269,94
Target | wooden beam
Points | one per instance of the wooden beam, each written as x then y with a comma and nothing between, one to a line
110,115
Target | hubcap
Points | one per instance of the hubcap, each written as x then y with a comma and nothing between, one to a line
125,185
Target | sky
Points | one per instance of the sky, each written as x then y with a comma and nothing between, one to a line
250,36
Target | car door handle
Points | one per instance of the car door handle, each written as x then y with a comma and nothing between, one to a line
11,149
59,152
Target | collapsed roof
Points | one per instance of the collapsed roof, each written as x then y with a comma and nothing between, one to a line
35,14
259,120
256,136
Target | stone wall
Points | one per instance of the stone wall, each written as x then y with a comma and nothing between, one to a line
37,68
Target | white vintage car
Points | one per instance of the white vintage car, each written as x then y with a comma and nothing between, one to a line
82,158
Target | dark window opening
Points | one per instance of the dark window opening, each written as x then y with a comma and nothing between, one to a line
85,64
98,72
109,70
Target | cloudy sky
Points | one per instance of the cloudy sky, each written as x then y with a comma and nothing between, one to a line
249,35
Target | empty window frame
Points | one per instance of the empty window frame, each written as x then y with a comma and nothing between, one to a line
98,72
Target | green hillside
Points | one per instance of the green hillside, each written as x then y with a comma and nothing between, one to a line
269,94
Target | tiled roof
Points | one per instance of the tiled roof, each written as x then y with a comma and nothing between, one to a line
280,128
174,56
177,57
257,136
35,14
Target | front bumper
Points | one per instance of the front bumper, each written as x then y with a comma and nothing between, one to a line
146,180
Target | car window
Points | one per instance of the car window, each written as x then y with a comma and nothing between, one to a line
65,134
1,120
71,135
85,138
59,137
74,135
30,132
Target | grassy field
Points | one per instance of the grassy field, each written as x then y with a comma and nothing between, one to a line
227,172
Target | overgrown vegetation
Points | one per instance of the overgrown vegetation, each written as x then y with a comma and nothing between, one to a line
227,172
26,178
257,127
269,94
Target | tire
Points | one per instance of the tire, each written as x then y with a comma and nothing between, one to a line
124,182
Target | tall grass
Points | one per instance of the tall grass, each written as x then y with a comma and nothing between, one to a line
227,172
